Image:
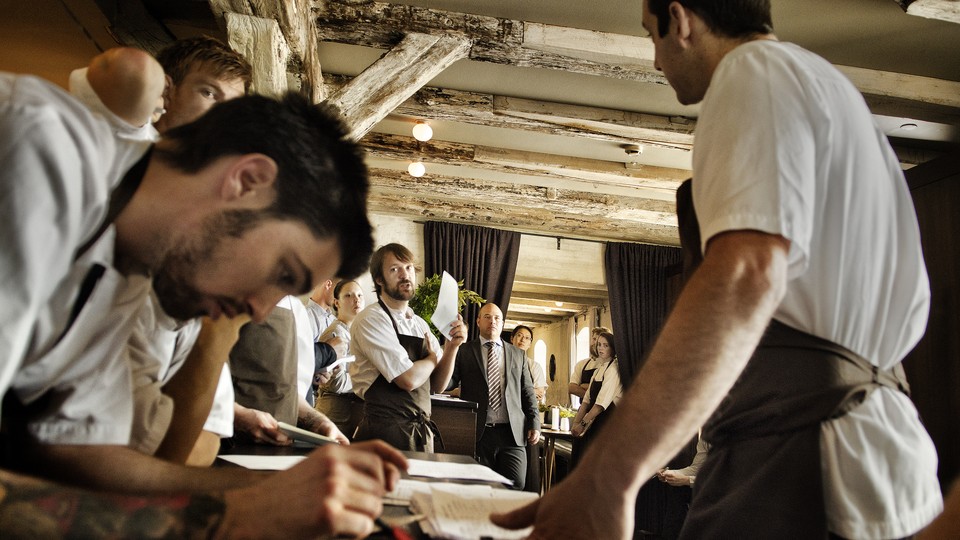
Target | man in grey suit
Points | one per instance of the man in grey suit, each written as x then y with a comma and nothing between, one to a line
495,375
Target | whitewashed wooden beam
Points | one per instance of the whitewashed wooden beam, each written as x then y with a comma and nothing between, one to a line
620,127
297,25
551,170
261,42
497,40
502,41
944,10
520,208
393,78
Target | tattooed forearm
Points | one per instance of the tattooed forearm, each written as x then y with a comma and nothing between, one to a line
31,508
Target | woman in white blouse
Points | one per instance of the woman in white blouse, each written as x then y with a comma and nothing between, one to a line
598,402
336,398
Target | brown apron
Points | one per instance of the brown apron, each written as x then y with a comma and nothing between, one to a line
762,477
394,415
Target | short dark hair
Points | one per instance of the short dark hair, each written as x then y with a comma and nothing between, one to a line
376,261
179,57
321,177
731,18
521,327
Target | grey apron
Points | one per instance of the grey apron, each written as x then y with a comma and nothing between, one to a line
762,477
394,415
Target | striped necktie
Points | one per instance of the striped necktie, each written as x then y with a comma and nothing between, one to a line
493,375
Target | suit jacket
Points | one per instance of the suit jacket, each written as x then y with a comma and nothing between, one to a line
469,372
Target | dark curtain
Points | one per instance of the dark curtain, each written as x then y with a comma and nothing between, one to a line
641,284
485,259
637,282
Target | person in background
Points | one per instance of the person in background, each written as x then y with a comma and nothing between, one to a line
336,398
583,370
496,376
399,361
687,475
600,400
522,338
197,202
811,290
321,309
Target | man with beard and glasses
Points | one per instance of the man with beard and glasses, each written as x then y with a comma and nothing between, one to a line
250,203
399,363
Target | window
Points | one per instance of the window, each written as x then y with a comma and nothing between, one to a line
540,356
583,346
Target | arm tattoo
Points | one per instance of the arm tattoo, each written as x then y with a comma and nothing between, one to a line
31,508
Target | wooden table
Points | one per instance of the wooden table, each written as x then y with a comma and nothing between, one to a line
550,437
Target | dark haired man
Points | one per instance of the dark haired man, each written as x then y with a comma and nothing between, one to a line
811,290
399,362
272,184
522,337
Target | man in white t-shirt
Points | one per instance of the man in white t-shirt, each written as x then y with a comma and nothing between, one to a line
811,248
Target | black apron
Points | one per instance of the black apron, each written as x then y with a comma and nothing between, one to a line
762,477
394,415
580,444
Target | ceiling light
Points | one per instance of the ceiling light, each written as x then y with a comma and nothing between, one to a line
416,169
908,126
548,310
559,304
422,132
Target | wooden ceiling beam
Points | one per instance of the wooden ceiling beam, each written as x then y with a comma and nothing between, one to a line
393,78
564,172
944,10
590,215
508,42
620,127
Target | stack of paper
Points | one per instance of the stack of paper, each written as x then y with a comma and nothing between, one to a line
455,471
462,512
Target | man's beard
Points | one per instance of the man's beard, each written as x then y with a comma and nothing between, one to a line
173,281
398,294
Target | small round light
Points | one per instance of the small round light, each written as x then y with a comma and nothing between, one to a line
908,126
416,169
559,304
422,132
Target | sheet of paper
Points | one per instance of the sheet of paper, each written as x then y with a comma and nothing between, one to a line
263,463
460,471
451,511
340,362
403,492
447,300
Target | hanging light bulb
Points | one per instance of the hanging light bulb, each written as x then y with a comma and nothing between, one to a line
416,169
422,132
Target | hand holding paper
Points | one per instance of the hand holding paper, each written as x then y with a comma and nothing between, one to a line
445,316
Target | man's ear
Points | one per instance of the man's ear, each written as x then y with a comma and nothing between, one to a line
248,175
680,19
167,86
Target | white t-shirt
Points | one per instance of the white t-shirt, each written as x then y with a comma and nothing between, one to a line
377,348
59,165
786,145
306,362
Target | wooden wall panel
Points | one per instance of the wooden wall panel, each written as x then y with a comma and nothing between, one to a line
933,368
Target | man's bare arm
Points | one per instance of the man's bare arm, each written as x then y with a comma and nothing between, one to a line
335,491
194,386
704,346
32,508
